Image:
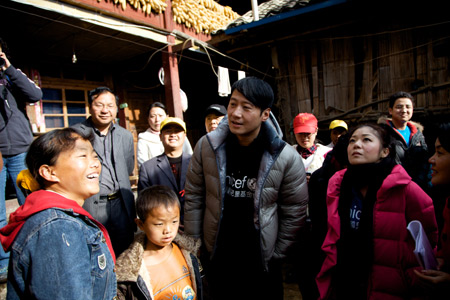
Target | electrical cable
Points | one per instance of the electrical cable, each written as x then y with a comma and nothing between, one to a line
206,46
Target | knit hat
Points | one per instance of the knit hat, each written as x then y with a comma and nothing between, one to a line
305,122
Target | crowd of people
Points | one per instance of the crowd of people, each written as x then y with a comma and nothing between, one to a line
220,221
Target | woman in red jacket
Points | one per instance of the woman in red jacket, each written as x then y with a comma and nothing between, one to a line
369,252
439,280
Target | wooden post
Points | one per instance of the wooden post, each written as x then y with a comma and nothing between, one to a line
170,65
172,82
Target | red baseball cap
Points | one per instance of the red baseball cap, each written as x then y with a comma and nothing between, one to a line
305,122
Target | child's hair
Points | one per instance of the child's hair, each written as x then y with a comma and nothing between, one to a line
256,91
153,197
46,149
443,134
382,132
398,95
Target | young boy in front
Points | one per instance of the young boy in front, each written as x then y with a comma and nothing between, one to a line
160,263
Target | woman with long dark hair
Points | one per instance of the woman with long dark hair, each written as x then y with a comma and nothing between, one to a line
369,252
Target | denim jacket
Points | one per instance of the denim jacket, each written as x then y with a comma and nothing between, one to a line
59,254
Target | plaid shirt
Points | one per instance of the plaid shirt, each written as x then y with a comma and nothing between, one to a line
305,153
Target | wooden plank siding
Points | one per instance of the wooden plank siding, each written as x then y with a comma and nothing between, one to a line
342,77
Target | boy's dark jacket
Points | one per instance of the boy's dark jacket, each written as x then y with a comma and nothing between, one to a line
133,280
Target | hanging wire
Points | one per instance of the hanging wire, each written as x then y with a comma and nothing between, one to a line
148,60
210,61
223,54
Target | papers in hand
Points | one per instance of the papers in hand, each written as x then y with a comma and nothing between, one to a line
424,251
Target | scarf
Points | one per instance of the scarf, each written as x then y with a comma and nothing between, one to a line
355,246
37,202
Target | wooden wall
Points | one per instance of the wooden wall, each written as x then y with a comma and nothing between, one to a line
350,77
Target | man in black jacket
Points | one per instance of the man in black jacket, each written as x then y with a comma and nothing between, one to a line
15,132
410,147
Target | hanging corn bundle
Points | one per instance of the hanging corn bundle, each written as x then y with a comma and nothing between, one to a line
146,6
202,15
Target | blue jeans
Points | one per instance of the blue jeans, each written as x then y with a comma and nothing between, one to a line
12,165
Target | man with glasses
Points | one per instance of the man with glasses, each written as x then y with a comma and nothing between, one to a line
114,205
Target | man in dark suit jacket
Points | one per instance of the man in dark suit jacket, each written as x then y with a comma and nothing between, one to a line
169,168
114,205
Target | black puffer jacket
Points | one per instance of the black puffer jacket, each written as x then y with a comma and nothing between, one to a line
15,131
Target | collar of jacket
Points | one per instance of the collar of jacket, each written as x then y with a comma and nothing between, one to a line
268,128
414,126
129,263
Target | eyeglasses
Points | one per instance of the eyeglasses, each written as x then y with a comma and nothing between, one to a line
101,106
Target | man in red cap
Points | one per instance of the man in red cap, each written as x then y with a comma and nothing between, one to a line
312,153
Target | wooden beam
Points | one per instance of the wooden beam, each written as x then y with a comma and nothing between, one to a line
172,81
186,45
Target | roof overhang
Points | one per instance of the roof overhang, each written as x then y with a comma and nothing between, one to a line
98,19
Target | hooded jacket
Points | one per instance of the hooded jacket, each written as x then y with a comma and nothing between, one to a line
399,201
280,197
57,251
414,158
133,279
15,131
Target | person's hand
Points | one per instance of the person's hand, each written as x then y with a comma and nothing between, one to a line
433,278
7,63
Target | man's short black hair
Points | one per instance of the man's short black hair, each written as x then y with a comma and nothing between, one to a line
93,94
398,95
256,91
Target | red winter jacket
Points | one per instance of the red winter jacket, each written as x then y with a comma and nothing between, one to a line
399,201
